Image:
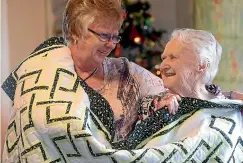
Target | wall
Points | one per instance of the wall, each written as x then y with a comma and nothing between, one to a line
164,17
184,13
224,20
24,27
5,102
171,14
26,23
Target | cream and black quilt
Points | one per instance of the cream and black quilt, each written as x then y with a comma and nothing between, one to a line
56,117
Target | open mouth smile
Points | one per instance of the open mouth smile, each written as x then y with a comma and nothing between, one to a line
169,74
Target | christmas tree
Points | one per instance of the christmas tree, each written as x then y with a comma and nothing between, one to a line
141,42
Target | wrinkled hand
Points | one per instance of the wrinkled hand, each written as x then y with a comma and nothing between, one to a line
233,95
170,100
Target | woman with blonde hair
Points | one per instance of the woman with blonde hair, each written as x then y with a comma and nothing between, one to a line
91,29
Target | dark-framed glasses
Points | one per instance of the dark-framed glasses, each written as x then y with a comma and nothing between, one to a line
107,37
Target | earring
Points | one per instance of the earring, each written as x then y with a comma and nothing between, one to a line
75,41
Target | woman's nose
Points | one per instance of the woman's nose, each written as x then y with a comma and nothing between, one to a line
110,44
164,66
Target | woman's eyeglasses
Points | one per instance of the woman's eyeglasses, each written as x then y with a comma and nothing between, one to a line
107,37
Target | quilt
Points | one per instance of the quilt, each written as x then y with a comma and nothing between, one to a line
57,117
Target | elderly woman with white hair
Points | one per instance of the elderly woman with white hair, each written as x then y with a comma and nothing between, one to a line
190,62
206,128
189,65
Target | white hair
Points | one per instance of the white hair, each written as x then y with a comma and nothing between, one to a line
205,45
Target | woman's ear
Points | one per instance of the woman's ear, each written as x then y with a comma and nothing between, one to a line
75,39
202,68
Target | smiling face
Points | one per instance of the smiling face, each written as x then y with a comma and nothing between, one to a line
179,68
91,49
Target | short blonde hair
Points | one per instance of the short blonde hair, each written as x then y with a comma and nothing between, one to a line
80,14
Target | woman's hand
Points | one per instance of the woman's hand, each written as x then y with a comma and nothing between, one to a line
170,100
233,95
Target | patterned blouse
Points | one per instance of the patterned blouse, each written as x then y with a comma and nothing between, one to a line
125,84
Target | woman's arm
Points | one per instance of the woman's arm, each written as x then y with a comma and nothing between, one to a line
149,83
235,95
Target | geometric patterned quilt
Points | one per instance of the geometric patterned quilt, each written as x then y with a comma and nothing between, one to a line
56,117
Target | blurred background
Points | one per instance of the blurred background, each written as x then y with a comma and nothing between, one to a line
26,23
